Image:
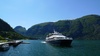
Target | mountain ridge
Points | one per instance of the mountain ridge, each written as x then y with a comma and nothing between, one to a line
85,27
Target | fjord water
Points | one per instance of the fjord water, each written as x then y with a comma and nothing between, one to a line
41,48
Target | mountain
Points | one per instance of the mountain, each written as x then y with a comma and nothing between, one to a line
86,27
6,31
21,30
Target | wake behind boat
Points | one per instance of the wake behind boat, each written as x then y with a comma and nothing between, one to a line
57,38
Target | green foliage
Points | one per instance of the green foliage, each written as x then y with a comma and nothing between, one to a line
40,30
1,38
6,31
86,27
11,35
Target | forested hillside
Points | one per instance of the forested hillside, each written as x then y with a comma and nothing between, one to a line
7,32
86,27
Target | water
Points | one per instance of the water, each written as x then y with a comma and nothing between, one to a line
41,48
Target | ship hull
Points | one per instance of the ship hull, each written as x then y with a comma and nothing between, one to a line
60,42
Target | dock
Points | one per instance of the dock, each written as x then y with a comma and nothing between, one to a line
4,46
14,43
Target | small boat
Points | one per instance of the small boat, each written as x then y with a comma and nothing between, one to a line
4,47
58,39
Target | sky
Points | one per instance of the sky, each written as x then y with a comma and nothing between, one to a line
27,13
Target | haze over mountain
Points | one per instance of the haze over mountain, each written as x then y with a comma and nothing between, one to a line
86,27
20,29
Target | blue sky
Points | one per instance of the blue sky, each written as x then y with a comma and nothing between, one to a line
30,12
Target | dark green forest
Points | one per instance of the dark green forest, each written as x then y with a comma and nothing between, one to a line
7,32
86,27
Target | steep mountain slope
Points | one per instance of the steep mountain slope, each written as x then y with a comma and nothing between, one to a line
6,31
